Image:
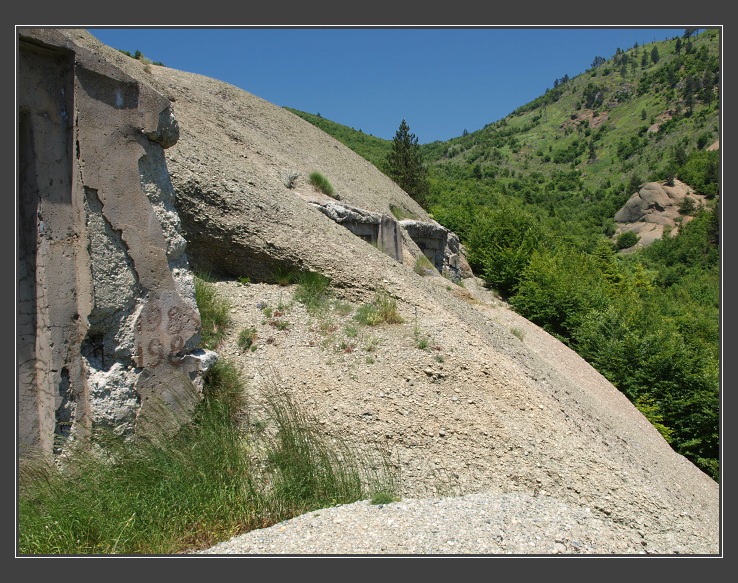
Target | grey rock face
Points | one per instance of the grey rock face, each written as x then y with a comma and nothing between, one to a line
653,208
106,297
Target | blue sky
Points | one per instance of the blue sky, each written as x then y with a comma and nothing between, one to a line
440,80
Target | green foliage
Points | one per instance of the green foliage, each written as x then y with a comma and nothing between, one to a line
405,165
214,312
247,339
651,410
558,288
627,239
500,244
701,171
383,309
320,182
313,291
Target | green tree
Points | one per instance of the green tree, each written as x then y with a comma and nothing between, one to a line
655,55
405,165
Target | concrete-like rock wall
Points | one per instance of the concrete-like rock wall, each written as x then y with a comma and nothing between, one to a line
441,246
107,325
376,229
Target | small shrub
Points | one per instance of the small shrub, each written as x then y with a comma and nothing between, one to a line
313,292
627,239
243,280
247,338
367,315
320,182
423,266
387,308
382,309
518,333
687,206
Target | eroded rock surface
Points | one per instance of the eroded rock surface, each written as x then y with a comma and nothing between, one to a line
655,209
105,297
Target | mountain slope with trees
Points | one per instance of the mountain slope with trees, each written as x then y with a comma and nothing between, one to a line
533,197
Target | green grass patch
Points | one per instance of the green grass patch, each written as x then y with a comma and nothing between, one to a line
214,312
313,292
247,339
423,266
401,213
211,481
320,182
382,309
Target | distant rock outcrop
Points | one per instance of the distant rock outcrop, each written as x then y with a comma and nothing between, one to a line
656,208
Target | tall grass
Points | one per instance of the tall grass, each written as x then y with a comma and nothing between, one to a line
214,312
313,292
210,481
383,308
206,484
147,496
320,182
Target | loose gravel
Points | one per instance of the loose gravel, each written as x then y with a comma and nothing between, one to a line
476,524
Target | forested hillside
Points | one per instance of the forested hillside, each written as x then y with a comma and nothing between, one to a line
533,197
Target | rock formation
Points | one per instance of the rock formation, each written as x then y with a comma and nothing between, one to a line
107,322
654,209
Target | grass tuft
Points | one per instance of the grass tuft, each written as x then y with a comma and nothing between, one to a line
320,182
383,308
214,311
313,292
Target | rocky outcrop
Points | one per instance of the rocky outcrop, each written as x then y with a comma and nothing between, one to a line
379,230
441,246
107,322
654,209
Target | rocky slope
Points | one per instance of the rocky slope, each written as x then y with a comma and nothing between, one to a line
492,404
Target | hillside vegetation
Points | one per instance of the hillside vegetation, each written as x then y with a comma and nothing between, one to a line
533,196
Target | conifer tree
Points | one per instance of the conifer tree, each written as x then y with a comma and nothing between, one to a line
405,165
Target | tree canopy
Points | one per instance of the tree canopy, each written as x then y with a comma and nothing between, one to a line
405,165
